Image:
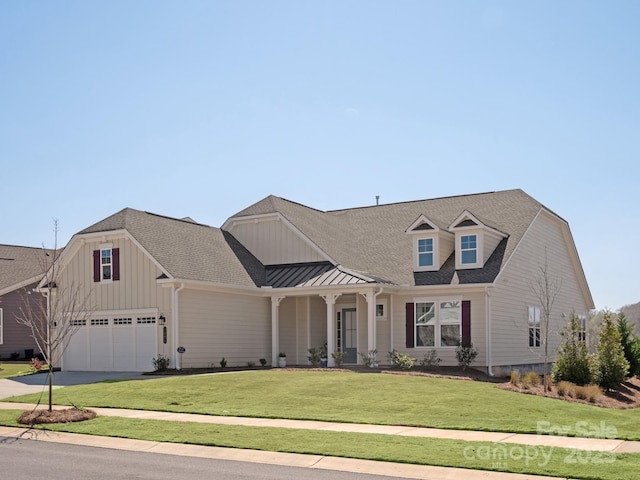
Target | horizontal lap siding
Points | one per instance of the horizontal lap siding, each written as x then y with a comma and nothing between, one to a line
448,354
514,293
215,325
17,337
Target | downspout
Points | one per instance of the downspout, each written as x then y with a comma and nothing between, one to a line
176,344
488,330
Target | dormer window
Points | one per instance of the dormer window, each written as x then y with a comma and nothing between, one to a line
432,244
476,239
425,252
469,249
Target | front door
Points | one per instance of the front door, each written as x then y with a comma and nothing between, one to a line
348,334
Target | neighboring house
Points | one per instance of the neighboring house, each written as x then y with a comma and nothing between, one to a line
20,272
414,276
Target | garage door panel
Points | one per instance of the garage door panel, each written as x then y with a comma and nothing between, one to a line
114,343
123,348
76,356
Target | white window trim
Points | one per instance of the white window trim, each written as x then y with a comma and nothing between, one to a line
436,333
436,254
384,315
534,315
102,247
479,249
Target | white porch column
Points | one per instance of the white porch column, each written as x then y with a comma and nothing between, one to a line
371,320
330,300
275,329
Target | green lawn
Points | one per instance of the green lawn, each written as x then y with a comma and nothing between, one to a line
425,451
15,369
350,397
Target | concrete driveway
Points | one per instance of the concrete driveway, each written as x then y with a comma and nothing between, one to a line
37,383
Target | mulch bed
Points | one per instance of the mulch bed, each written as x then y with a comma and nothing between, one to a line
33,417
626,395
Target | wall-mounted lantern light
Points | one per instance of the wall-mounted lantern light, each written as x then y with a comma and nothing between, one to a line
162,319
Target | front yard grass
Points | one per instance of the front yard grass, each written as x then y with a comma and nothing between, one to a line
15,369
353,398
513,458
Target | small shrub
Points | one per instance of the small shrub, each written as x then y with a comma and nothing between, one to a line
592,393
369,358
263,362
430,359
531,378
515,377
404,362
391,356
14,356
37,364
223,363
251,364
161,363
314,356
566,389
466,355
338,357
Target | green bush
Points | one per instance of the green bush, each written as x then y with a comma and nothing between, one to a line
611,367
161,363
338,357
404,362
630,344
430,359
466,355
573,362
314,356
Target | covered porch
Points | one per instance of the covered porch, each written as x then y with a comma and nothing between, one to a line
314,305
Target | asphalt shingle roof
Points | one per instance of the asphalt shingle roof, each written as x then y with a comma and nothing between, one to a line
18,264
372,240
188,250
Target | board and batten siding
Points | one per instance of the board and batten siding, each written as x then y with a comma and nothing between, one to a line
274,243
136,289
446,354
513,293
213,325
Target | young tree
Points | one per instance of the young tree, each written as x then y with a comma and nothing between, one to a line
610,367
55,321
546,289
630,344
573,363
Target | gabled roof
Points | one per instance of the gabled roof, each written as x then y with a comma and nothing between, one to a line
187,250
314,274
372,239
19,266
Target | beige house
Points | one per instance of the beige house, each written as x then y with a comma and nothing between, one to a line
415,277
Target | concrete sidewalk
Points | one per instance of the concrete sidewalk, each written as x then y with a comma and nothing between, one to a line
589,444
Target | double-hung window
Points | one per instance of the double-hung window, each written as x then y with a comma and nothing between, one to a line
468,249
105,264
438,323
534,327
425,252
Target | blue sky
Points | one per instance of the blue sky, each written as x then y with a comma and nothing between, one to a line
201,108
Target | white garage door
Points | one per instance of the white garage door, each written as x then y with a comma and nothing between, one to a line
118,343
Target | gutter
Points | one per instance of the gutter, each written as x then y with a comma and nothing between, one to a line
176,343
488,330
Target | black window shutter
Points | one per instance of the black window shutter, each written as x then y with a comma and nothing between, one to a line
96,265
115,260
466,323
411,313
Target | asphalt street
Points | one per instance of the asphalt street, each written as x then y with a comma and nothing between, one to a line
58,461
